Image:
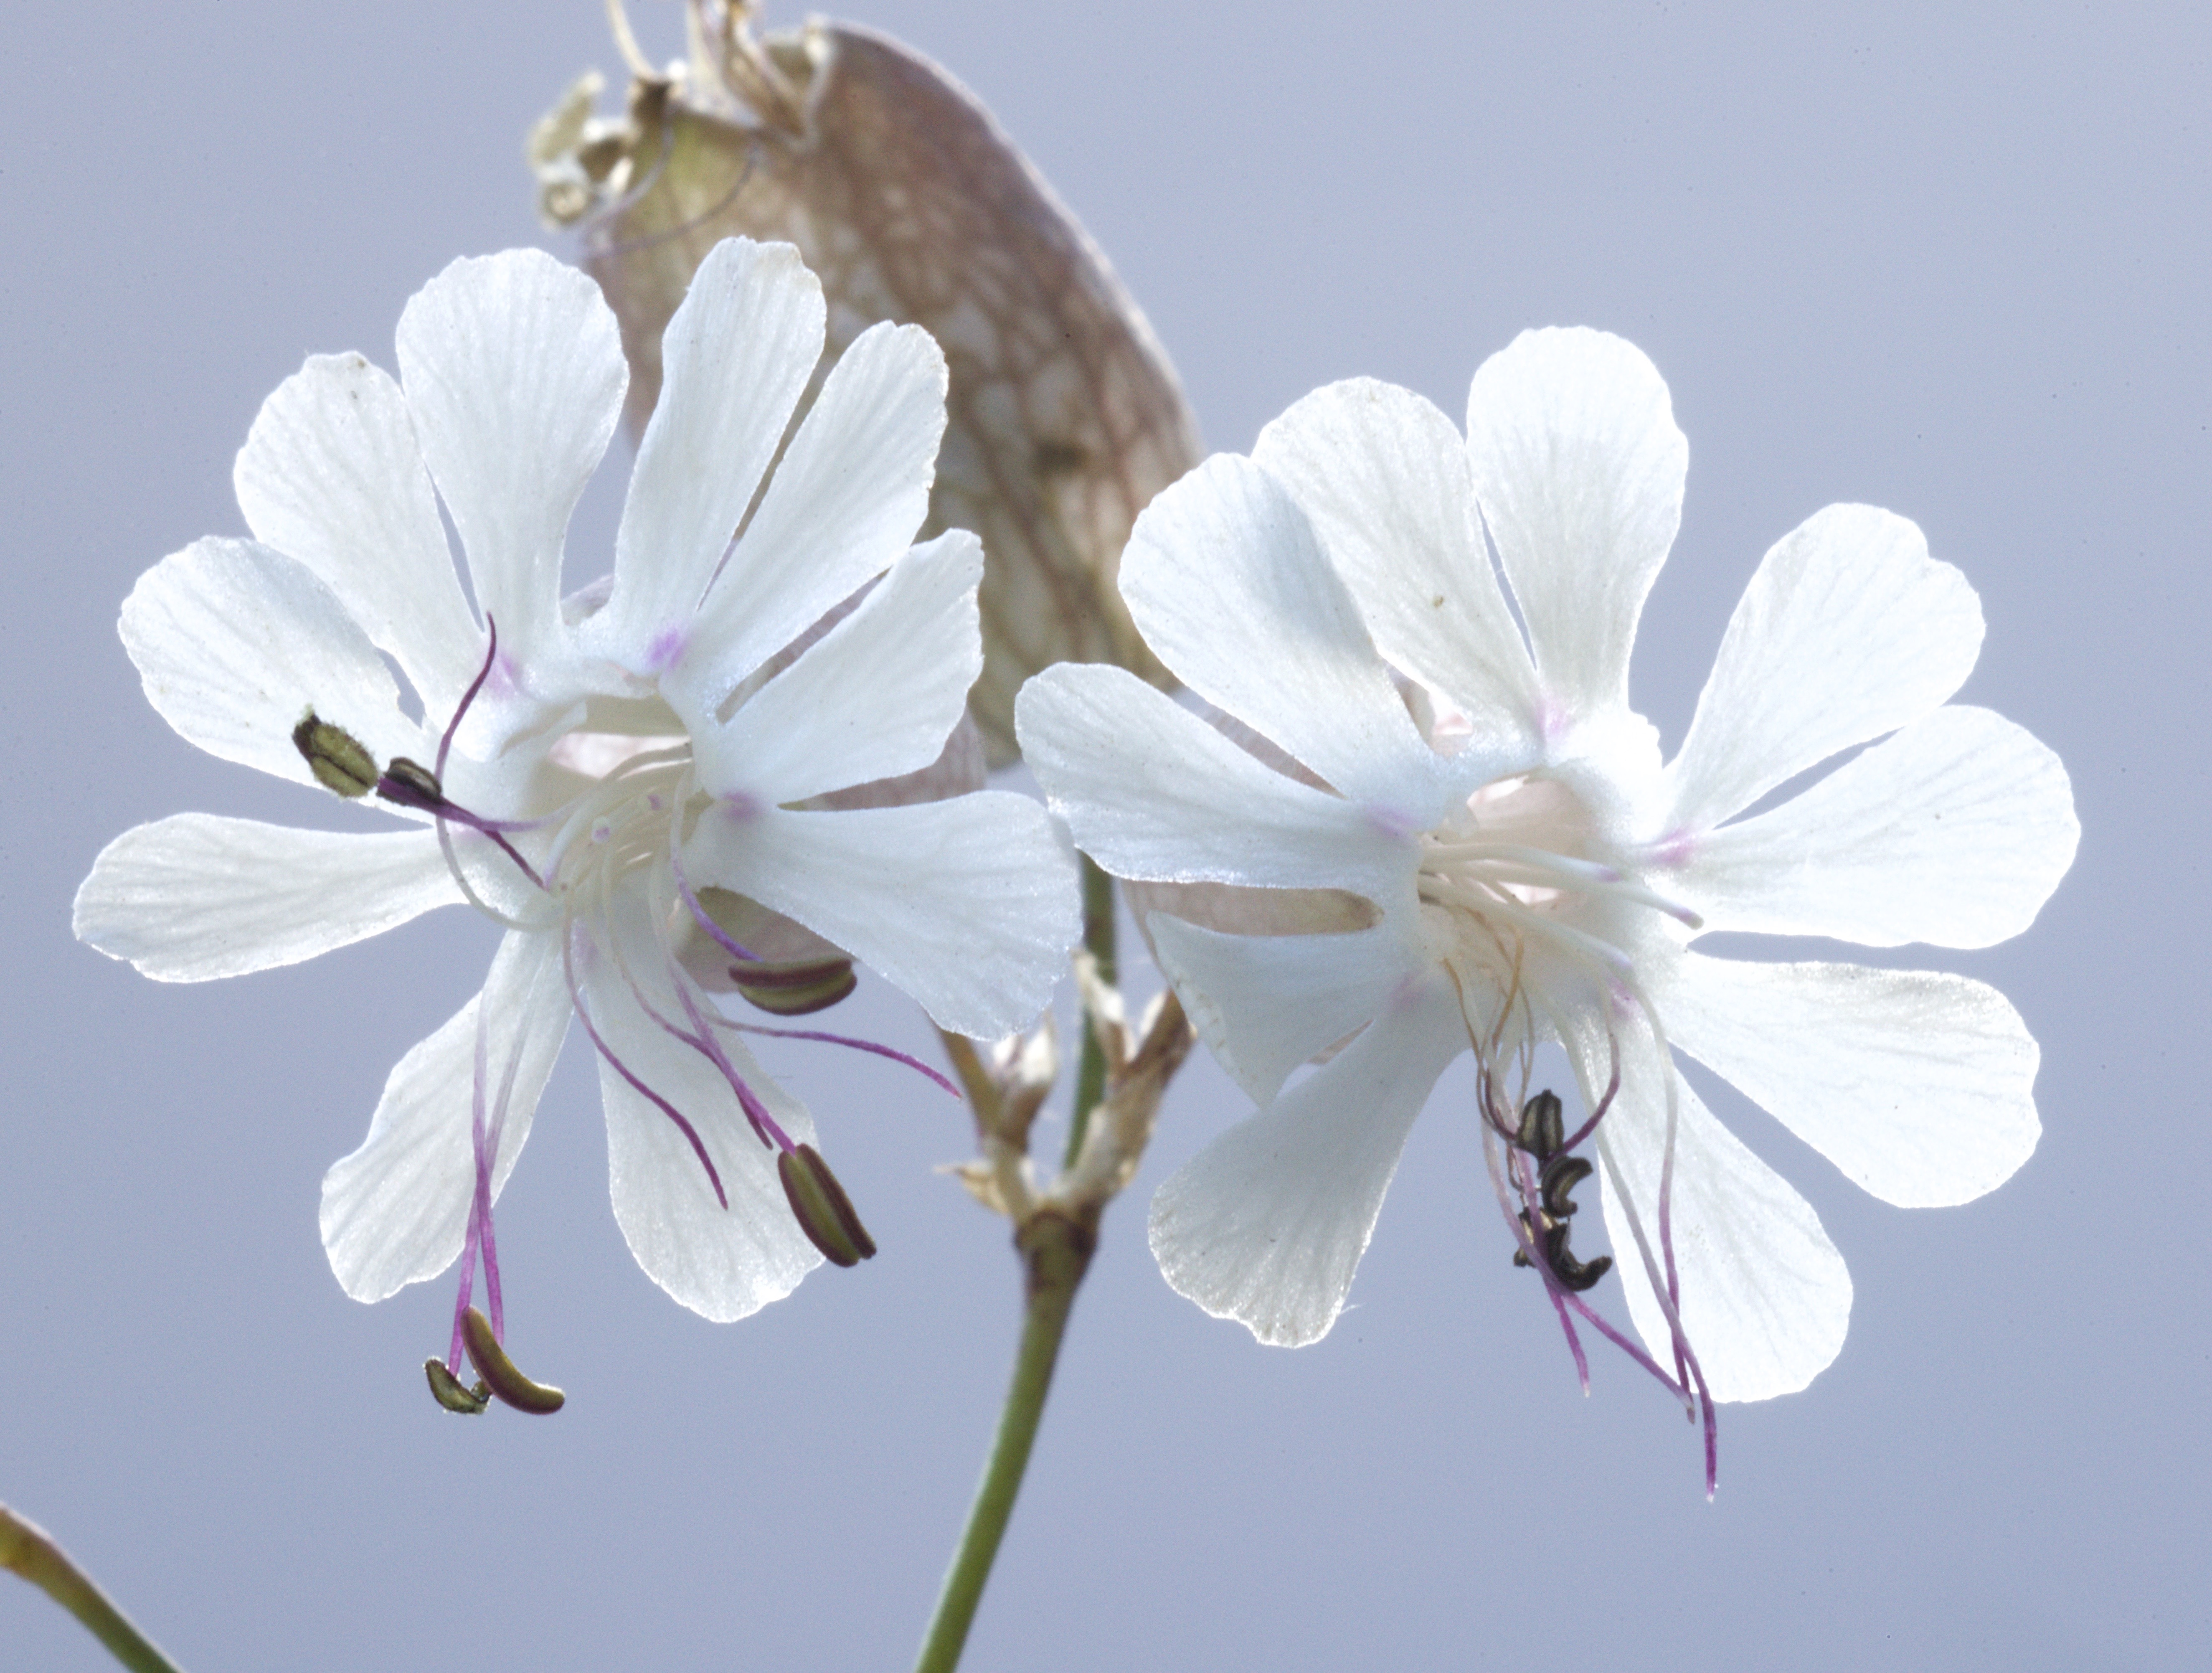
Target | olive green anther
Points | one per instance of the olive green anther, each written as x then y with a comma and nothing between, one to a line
793,987
824,1213
335,755
498,1372
447,1391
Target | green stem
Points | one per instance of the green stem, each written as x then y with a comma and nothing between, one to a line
31,1552
1098,942
1055,1253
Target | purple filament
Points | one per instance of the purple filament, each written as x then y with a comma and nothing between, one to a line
1611,1088
721,937
764,1125
491,655
891,1052
683,1125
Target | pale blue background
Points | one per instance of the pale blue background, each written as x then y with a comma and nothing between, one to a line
1951,260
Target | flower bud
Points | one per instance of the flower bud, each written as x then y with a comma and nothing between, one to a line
904,194
335,755
823,1211
449,1392
500,1376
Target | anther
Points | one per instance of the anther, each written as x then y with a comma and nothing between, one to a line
335,755
793,987
824,1213
500,1376
412,784
1572,1274
447,1391
1560,1176
1542,1130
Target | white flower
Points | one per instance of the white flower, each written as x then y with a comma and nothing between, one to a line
584,770
1490,834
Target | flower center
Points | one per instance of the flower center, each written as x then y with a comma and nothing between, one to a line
1511,881
1534,923
609,881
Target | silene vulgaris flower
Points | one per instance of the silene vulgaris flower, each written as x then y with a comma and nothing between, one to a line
667,786
1415,828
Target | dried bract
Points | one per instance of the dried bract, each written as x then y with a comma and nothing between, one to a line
912,203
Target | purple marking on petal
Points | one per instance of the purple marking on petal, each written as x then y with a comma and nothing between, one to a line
1392,821
683,1125
1675,849
891,1052
662,654
741,805
1552,720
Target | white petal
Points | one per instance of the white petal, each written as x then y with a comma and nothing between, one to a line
514,371
968,905
193,896
1580,469
331,475
1266,1224
1265,1004
875,698
722,1262
396,1211
851,491
1765,1297
1230,586
1918,1084
1847,630
1954,832
1385,478
1150,791
735,358
234,642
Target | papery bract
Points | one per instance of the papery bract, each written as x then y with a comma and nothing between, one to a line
910,201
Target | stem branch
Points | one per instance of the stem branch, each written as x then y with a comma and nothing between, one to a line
1098,942
1055,1252
31,1552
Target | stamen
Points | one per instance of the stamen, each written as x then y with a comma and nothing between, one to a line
891,1052
409,784
1451,892
1611,1090
448,1391
1565,871
499,1372
491,655
764,1125
700,915
683,1125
